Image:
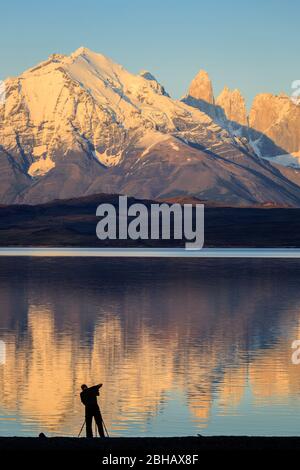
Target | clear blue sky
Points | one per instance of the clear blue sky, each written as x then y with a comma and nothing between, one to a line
253,45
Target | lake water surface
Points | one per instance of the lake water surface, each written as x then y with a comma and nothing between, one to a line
182,346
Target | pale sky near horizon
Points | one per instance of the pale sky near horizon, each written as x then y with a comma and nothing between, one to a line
250,45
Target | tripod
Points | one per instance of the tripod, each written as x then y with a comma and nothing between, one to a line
104,426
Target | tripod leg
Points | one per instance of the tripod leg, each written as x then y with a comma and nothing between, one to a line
105,428
81,428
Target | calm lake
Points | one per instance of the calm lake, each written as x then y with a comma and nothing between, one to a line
182,346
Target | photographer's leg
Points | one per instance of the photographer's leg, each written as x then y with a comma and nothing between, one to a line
89,420
98,419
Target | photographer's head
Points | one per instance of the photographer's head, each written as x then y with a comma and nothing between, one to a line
84,387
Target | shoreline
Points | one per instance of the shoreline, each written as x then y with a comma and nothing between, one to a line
206,253
145,445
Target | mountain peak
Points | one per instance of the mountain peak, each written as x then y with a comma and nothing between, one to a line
230,93
81,50
201,87
233,104
85,53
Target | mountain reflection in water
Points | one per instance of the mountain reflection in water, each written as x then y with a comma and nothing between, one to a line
182,347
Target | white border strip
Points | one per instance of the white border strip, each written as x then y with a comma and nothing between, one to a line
154,252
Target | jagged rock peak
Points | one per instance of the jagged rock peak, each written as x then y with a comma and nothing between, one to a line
233,104
201,87
278,118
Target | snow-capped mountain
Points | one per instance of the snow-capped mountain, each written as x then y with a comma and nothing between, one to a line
82,124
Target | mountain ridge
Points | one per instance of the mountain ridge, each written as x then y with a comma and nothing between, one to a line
272,125
82,124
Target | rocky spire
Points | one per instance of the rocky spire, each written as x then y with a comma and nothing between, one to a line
278,118
201,88
233,105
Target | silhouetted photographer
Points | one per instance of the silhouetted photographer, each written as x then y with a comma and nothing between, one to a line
88,397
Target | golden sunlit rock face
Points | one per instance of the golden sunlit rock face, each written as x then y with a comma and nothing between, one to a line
201,87
148,344
233,104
